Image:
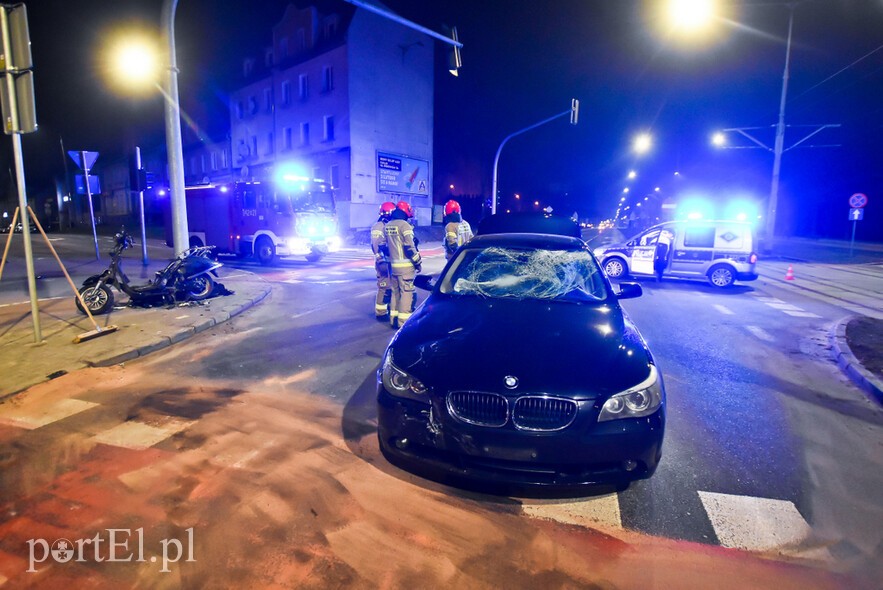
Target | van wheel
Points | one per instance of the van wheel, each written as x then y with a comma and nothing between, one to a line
615,268
721,275
265,250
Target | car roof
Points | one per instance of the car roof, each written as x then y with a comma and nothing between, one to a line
526,240
504,223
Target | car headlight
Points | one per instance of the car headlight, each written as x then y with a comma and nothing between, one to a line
399,383
641,400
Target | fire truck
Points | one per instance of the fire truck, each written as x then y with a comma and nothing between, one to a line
294,216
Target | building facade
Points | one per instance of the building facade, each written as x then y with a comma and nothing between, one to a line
345,96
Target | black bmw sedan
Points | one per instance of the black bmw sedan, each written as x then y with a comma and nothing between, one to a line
521,368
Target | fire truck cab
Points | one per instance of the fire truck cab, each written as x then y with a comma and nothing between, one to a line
294,217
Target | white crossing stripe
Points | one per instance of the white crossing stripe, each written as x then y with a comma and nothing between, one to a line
801,313
757,524
783,306
28,417
139,436
723,309
760,333
593,512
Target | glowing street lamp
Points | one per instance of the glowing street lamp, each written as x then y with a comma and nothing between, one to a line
642,143
690,16
625,190
719,139
134,63
632,174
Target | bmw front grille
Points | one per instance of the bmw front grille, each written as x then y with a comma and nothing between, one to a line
538,413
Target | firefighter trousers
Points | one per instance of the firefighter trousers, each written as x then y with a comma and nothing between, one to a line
402,304
384,290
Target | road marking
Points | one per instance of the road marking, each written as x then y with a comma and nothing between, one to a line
782,306
760,333
757,524
799,313
594,512
723,309
139,436
41,299
30,418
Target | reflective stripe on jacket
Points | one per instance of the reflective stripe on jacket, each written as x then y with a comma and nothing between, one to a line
378,241
403,252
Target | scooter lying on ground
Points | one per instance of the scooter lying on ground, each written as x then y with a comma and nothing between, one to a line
186,278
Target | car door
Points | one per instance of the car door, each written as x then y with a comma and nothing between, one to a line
643,252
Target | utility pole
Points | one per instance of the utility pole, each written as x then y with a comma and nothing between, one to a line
180,232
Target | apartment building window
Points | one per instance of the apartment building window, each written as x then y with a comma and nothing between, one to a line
240,110
252,105
327,79
328,129
254,146
214,161
268,99
271,146
224,158
283,48
330,27
202,163
305,134
317,173
303,86
334,172
301,39
268,58
286,93
286,138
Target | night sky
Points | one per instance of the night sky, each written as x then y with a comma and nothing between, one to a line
522,62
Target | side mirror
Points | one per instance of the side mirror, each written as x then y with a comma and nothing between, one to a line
424,282
629,291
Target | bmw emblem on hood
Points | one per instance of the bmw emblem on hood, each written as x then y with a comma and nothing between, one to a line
510,382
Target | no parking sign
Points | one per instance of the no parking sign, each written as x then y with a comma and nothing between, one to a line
858,200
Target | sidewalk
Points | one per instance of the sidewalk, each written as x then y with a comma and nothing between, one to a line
23,363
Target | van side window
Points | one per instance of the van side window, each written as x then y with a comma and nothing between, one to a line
699,237
649,238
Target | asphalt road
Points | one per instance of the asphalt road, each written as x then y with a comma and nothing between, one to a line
769,448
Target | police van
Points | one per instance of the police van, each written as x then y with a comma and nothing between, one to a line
720,252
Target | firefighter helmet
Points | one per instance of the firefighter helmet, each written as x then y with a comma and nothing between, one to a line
387,208
406,208
452,207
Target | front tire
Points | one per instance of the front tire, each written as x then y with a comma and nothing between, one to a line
615,268
265,250
721,276
199,288
98,299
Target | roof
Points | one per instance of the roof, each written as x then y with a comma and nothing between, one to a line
528,223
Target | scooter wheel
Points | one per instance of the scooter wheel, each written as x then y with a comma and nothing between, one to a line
199,288
99,299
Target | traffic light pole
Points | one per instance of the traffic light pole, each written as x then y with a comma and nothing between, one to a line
144,260
20,178
571,112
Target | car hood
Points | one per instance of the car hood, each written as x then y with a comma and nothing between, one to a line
571,349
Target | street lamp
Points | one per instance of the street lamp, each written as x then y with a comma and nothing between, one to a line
174,147
642,143
632,174
718,139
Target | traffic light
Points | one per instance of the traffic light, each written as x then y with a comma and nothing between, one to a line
574,111
137,175
456,62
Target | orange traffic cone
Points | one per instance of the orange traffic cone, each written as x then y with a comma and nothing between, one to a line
789,275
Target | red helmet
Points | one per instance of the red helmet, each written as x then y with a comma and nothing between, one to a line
404,206
387,208
452,207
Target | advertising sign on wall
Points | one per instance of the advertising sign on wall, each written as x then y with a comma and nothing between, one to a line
400,174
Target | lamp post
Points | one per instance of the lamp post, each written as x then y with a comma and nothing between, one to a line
174,149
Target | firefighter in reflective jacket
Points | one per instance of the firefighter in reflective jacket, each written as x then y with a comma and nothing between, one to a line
381,262
457,229
404,263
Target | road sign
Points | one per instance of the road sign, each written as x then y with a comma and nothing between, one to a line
90,158
94,184
858,200
856,214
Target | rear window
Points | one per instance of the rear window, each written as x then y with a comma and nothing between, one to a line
496,272
699,237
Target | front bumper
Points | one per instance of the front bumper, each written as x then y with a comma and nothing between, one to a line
426,440
301,246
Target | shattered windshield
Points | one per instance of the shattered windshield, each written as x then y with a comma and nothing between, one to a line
568,275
